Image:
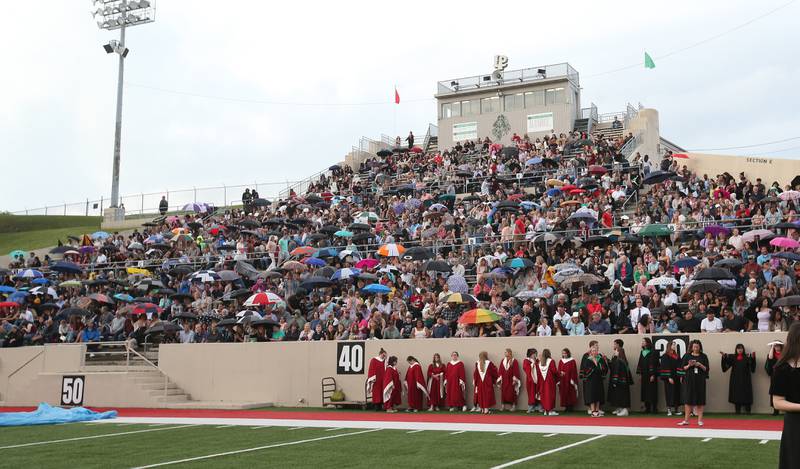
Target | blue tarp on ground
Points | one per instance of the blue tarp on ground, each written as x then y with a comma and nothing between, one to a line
47,414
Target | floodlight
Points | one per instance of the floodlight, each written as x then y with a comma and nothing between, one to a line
109,48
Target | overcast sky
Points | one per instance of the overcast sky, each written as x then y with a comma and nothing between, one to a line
57,88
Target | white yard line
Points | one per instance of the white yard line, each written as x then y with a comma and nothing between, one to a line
105,435
223,426
706,440
458,432
554,450
652,438
297,424
260,427
258,448
549,435
335,429
763,442
415,431
504,433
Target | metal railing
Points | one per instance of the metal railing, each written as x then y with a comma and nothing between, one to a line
511,77
629,146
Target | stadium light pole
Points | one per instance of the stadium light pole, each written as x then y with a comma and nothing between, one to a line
120,14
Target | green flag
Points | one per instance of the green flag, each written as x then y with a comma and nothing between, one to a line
648,61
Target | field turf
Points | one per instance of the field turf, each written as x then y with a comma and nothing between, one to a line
136,445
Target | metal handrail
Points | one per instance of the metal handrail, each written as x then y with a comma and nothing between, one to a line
25,364
130,350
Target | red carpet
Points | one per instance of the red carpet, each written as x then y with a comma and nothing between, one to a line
496,418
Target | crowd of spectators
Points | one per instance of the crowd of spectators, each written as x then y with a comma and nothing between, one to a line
560,235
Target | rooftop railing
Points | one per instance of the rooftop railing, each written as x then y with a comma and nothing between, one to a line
512,77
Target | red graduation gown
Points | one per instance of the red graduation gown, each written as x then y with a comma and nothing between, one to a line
509,380
484,385
455,381
416,386
435,385
547,377
375,379
568,382
531,380
391,394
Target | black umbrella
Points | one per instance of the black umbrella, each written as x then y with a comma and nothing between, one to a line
506,203
226,247
194,225
437,266
597,241
264,322
704,286
67,312
249,224
399,150
358,227
160,246
316,282
250,233
317,236
274,221
793,300
299,221
335,167
367,277
384,153
163,327
329,229
417,253
728,263
471,198
714,273
181,269
227,322
510,152
261,202
180,297
326,271
784,225
656,177
788,256
629,238
362,237
186,315
463,174
61,249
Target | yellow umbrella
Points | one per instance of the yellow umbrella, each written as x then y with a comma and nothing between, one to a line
554,182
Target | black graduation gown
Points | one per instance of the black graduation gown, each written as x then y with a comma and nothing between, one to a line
786,382
648,368
592,373
740,386
668,368
693,387
619,383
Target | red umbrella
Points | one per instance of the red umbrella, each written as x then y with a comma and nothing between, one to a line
577,191
568,187
680,155
597,169
416,150
101,298
8,304
146,308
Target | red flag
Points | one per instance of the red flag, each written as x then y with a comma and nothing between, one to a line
396,96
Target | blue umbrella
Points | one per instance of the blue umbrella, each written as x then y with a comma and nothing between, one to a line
326,252
457,284
345,274
29,273
533,161
376,288
156,238
16,253
686,262
315,261
123,297
7,289
40,281
529,205
100,235
554,192
787,255
18,297
66,267
344,234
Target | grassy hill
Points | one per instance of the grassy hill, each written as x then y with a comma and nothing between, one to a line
41,231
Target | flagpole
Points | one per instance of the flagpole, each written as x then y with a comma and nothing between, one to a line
395,111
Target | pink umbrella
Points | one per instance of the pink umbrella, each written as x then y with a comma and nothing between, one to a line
367,263
750,236
789,195
785,243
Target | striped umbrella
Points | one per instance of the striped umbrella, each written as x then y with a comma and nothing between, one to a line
345,274
461,298
205,276
263,299
478,316
29,273
391,250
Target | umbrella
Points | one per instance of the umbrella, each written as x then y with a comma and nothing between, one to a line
43,291
40,281
662,281
303,251
457,284
785,225
100,235
391,250
227,322
57,250
583,213
136,246
9,304
415,149
716,230
369,216
533,161
655,230
358,227
384,153
163,327
461,298
66,267
597,169
228,275
294,265
714,273
478,316
367,263
376,288
530,294
186,315
263,299
510,152
784,243
101,298
348,252
367,277
67,312
728,263
180,296
788,255
562,275
344,234
437,207
261,202
124,297
315,261
437,266
8,290
686,262
361,237
553,192
315,282
554,182
789,195
70,283
704,286
519,263
793,300
345,274
656,177
417,253
327,252
205,276
29,273
193,207
762,234
581,279
546,238
597,241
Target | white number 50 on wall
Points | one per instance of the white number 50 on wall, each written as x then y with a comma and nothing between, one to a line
72,390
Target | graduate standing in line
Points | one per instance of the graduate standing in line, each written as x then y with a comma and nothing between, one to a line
567,381
529,365
415,385
455,383
392,388
509,381
694,373
647,368
774,355
435,383
668,371
785,392
594,367
484,378
620,380
740,386
547,377
375,384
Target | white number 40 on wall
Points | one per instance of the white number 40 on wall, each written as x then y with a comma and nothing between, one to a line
350,358
72,390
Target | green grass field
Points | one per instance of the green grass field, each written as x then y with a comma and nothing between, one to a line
134,445
37,231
